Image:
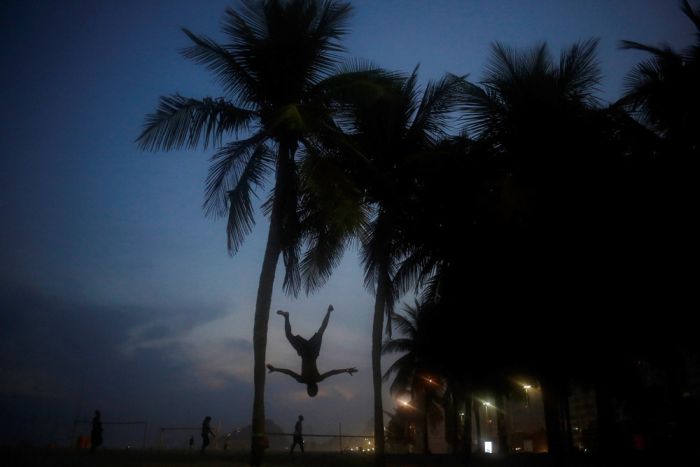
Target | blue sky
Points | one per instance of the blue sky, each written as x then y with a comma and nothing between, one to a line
114,281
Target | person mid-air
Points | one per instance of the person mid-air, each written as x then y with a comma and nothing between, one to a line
308,350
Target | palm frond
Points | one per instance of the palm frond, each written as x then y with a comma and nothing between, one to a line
660,52
356,83
403,362
503,65
240,167
693,15
232,75
332,214
440,99
410,92
579,72
642,83
484,109
182,121
291,252
397,345
405,324
415,270
228,167
305,33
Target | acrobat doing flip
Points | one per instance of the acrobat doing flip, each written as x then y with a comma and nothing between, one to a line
308,350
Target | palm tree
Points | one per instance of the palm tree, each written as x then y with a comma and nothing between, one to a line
412,370
662,90
662,93
387,135
276,69
543,121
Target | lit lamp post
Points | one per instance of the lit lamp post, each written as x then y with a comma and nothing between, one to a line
486,410
488,444
527,395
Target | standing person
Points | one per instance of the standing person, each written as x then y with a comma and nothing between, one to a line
298,437
191,442
206,430
96,433
308,350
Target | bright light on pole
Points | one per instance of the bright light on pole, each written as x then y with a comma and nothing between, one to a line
527,395
486,410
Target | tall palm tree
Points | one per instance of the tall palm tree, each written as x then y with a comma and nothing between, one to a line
412,371
390,133
541,116
276,68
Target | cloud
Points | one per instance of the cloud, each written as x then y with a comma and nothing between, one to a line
59,359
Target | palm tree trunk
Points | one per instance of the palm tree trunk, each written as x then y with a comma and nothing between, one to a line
449,409
467,436
377,330
477,423
551,399
262,314
426,403
501,426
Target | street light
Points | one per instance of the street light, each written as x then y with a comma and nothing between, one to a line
527,395
486,410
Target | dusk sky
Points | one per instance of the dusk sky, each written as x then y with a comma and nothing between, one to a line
116,292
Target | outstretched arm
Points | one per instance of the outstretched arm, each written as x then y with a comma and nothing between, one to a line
328,374
286,372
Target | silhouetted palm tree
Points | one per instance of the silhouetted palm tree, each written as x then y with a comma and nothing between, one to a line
413,374
663,90
388,134
543,121
276,69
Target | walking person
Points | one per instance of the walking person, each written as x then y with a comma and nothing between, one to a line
298,437
96,433
206,430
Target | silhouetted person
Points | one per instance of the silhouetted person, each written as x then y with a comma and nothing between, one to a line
191,442
308,350
206,430
96,433
298,437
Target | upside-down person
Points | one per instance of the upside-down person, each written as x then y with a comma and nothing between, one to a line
308,350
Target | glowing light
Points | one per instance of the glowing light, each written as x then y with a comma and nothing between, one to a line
488,447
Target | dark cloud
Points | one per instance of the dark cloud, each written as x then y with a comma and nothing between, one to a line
59,361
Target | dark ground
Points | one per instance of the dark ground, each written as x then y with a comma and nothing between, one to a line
35,457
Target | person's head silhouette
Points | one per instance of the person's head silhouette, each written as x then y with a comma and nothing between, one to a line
301,417
312,389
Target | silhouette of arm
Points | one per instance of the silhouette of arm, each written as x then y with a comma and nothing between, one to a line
294,375
328,374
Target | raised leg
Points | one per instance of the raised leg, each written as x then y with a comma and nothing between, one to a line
324,324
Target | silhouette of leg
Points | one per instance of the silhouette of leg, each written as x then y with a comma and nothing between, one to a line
287,326
296,341
324,324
